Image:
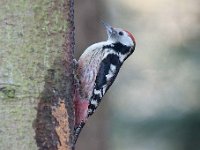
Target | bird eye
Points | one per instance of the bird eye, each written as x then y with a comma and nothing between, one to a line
121,33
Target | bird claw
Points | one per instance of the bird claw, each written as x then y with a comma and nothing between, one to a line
75,63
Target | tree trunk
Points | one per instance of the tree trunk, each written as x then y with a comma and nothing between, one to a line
36,67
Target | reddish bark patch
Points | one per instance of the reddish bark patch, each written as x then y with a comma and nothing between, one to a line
62,128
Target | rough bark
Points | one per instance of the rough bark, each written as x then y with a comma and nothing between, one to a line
36,46
54,123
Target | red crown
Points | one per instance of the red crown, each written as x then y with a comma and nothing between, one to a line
131,36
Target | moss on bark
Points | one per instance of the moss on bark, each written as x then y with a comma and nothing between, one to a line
32,37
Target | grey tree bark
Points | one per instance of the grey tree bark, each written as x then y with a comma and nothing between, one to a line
36,52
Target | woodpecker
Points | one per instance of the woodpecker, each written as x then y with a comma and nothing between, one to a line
96,71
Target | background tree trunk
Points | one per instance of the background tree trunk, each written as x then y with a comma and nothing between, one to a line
35,57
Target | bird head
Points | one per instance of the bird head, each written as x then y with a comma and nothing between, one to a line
120,35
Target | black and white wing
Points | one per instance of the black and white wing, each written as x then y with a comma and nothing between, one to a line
108,70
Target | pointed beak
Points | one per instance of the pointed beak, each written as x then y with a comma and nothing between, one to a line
109,29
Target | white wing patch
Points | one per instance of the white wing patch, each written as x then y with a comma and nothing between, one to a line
122,57
104,89
97,92
111,72
94,103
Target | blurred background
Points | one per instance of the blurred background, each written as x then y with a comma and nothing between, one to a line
154,102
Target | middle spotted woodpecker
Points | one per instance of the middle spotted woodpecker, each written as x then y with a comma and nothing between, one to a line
96,71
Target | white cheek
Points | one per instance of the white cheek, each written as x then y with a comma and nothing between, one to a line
126,41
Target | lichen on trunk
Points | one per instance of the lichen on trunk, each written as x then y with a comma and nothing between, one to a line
36,52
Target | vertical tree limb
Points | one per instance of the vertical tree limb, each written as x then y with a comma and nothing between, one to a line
55,114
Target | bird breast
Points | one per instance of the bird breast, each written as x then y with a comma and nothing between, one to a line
88,67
